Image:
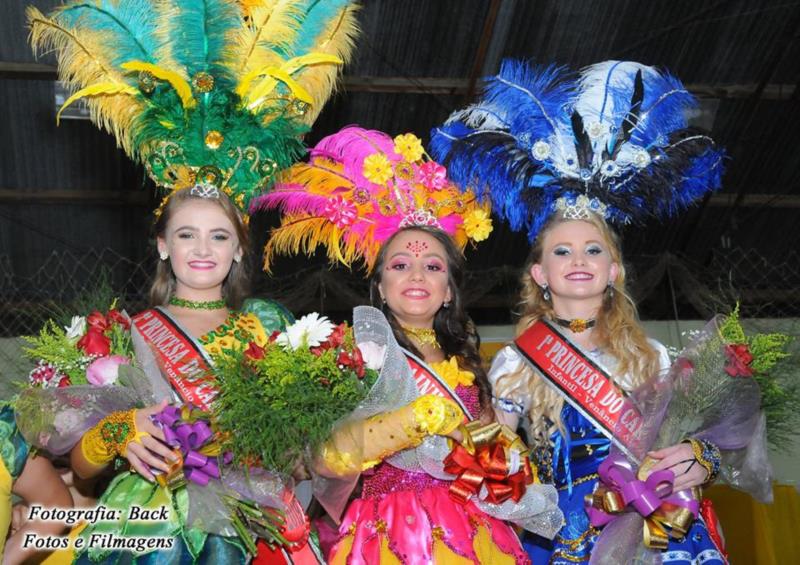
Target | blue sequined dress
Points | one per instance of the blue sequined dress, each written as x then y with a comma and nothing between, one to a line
571,463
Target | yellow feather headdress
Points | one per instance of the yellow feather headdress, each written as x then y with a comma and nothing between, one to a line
202,91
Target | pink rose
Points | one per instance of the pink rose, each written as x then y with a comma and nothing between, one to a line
372,354
105,370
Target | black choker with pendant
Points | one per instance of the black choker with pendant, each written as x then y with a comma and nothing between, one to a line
577,325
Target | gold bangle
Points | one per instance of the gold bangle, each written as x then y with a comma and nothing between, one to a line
708,455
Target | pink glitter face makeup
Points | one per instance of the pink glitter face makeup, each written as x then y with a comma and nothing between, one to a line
414,282
417,247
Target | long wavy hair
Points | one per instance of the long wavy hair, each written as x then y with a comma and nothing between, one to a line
454,329
236,285
617,331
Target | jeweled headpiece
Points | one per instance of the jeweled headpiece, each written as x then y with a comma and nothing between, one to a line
614,142
360,187
202,92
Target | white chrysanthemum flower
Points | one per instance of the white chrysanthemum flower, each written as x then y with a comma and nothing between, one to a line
76,328
309,331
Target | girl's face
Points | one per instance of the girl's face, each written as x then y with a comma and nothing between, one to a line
414,281
576,263
201,242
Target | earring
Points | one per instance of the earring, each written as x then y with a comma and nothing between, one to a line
164,255
446,305
610,289
237,258
546,293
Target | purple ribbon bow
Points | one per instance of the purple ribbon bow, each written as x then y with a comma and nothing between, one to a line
190,437
617,474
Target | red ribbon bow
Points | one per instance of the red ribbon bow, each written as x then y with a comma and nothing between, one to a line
487,466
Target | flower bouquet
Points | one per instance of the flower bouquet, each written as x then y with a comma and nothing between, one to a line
716,391
279,402
88,351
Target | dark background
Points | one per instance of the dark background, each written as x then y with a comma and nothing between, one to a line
72,205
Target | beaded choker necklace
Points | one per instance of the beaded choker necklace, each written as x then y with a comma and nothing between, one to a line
423,336
577,325
197,304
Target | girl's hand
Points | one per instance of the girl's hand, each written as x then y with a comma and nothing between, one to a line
680,460
149,450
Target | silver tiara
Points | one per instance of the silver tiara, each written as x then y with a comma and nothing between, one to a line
580,208
420,217
204,190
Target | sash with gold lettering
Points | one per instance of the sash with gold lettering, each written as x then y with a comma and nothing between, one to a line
428,382
581,382
181,358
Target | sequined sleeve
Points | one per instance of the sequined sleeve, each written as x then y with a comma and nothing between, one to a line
511,394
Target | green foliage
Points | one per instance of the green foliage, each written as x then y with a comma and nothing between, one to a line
780,394
53,346
272,409
767,350
731,328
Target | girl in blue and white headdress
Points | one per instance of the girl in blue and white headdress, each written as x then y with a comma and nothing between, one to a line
562,158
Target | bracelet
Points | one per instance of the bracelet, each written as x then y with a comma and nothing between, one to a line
110,437
708,455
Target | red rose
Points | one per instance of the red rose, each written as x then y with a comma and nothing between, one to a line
95,343
336,338
97,321
685,367
344,359
358,363
739,359
115,316
253,351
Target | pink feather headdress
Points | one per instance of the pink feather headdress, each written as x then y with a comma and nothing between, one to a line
358,188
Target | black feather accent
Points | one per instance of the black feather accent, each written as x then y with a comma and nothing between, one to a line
632,118
583,146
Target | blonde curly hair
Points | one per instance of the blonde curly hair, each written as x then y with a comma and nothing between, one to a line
617,331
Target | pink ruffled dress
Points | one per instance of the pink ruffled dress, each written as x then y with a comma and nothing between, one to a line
409,518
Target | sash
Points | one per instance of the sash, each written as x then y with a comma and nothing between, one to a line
180,357
428,382
581,382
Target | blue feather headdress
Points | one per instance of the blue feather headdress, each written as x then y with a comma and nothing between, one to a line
613,140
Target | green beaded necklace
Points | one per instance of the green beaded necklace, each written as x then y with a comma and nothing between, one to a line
197,304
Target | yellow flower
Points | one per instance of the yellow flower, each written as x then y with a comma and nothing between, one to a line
377,168
452,373
478,225
409,146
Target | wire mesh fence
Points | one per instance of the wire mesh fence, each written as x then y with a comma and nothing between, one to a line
68,283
